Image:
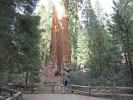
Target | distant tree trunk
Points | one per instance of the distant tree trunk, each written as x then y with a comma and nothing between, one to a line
130,66
127,47
128,60
9,76
26,79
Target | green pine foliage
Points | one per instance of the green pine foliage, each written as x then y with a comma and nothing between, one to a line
121,29
26,40
73,29
19,43
45,31
100,50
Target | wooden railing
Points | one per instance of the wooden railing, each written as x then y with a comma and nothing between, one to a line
53,89
115,92
17,96
45,88
10,94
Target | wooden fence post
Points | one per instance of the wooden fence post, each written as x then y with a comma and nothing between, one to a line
114,92
53,88
89,90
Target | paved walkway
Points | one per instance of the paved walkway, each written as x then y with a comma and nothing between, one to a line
59,97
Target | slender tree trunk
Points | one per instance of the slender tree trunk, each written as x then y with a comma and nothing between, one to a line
26,79
130,66
127,48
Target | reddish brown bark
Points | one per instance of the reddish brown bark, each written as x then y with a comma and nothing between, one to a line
56,43
60,47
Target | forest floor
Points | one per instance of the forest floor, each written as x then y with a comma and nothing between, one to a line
59,97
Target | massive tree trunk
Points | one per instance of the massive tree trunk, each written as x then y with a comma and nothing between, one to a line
60,51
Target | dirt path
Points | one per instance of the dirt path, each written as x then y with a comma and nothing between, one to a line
59,97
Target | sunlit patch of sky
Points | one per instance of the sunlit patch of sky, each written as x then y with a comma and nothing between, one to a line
59,8
48,4
105,6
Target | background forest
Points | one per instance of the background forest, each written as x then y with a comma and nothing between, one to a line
101,44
